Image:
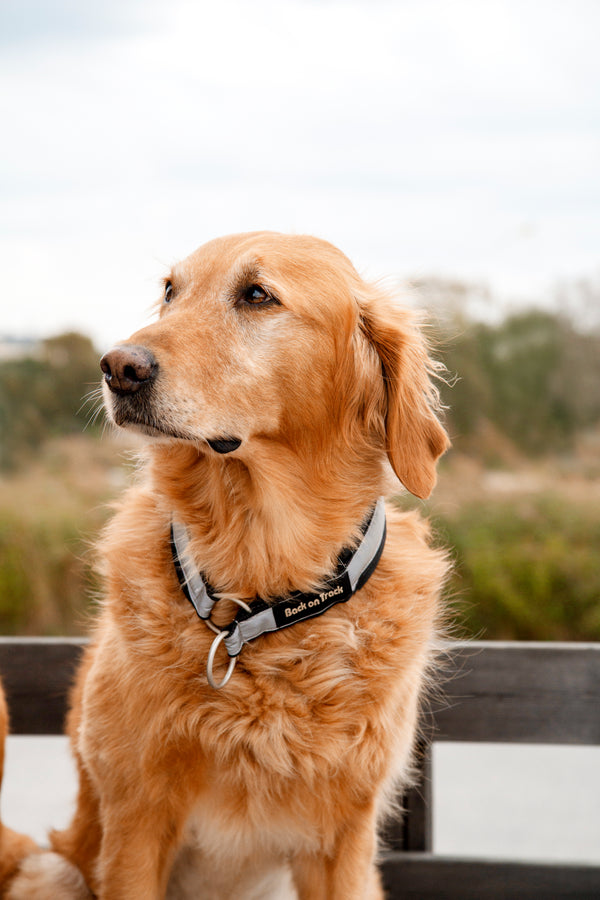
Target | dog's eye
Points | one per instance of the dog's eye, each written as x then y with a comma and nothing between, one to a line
255,295
168,292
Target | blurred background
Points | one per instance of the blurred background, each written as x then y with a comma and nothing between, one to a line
451,147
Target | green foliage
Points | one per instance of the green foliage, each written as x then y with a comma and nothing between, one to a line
526,569
534,377
40,396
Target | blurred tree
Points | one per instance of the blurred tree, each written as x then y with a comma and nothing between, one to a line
40,396
579,301
543,379
534,376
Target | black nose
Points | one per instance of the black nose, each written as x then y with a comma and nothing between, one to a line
127,368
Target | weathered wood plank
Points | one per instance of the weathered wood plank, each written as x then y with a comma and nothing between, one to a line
418,820
511,692
413,828
546,693
37,674
521,693
423,876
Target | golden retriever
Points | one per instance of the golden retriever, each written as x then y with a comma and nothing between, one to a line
14,847
274,388
43,876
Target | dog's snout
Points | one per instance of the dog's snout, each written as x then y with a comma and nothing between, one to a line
126,369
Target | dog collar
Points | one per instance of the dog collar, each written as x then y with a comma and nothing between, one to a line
354,568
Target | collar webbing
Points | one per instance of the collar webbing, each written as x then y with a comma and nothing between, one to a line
353,569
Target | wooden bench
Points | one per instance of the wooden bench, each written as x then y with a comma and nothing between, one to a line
493,692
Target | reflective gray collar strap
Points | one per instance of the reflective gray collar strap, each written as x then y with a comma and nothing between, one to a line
193,585
354,568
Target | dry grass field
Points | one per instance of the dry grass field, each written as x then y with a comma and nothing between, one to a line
524,536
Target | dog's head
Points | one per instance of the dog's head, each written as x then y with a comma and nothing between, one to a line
272,337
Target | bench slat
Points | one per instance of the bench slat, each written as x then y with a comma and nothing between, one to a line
423,876
493,691
37,674
521,693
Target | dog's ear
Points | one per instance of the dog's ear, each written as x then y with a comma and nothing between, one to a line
414,437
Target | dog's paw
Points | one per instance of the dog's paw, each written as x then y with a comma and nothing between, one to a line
47,876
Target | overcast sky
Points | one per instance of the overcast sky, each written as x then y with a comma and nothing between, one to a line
452,137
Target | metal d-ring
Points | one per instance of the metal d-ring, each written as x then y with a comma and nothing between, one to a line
212,626
216,628
211,660
221,634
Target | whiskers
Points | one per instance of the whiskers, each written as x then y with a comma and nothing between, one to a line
92,407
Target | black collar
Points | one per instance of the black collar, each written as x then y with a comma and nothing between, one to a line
354,568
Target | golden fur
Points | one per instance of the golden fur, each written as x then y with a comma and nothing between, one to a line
13,846
274,785
25,870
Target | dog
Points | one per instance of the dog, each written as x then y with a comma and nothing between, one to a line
247,708
45,876
14,847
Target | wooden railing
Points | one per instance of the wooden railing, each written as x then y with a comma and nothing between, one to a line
528,693
493,692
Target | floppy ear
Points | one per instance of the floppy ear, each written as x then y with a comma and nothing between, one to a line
414,437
